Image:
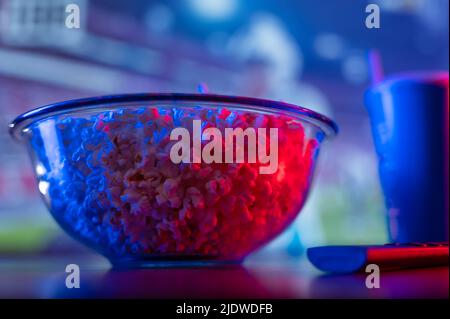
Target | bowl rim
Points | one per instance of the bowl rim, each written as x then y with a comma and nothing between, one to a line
326,124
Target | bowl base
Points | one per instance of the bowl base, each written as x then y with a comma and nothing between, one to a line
183,262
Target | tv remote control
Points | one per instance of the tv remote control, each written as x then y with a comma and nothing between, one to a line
347,259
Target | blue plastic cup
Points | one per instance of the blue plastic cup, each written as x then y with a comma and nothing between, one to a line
409,119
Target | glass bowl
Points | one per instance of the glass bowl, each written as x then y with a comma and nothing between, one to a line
154,179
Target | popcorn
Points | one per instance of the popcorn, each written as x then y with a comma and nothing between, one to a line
118,190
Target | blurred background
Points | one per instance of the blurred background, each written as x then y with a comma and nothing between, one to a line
292,50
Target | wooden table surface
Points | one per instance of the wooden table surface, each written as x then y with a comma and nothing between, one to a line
38,277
